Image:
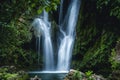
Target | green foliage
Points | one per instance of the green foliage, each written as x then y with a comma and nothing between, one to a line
12,38
12,10
93,46
48,5
113,7
9,76
5,74
99,53
96,36
115,12
115,64
89,75
15,19
77,76
113,58
102,3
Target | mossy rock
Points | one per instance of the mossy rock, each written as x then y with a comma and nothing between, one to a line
7,73
14,76
115,75
77,75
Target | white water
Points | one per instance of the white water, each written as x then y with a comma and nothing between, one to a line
42,27
66,37
34,72
67,41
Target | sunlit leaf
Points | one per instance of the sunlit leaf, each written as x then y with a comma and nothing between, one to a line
33,5
39,10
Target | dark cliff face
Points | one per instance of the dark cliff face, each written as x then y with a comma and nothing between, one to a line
55,14
97,33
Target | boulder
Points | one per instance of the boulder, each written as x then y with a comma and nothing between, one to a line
115,75
77,75
35,78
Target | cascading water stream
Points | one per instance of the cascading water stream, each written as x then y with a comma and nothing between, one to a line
67,41
42,27
66,37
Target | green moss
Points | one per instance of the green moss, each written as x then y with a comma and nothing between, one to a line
6,73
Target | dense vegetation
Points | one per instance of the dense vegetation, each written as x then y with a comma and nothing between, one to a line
97,38
15,35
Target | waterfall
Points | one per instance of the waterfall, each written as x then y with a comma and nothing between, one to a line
66,37
67,41
42,27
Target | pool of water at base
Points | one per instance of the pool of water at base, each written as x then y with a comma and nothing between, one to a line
48,76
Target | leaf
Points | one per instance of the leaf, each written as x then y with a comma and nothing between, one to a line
48,8
39,10
33,5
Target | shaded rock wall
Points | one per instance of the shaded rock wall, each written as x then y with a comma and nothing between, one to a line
96,36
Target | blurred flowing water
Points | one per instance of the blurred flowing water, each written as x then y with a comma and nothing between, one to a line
42,27
67,34
66,37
